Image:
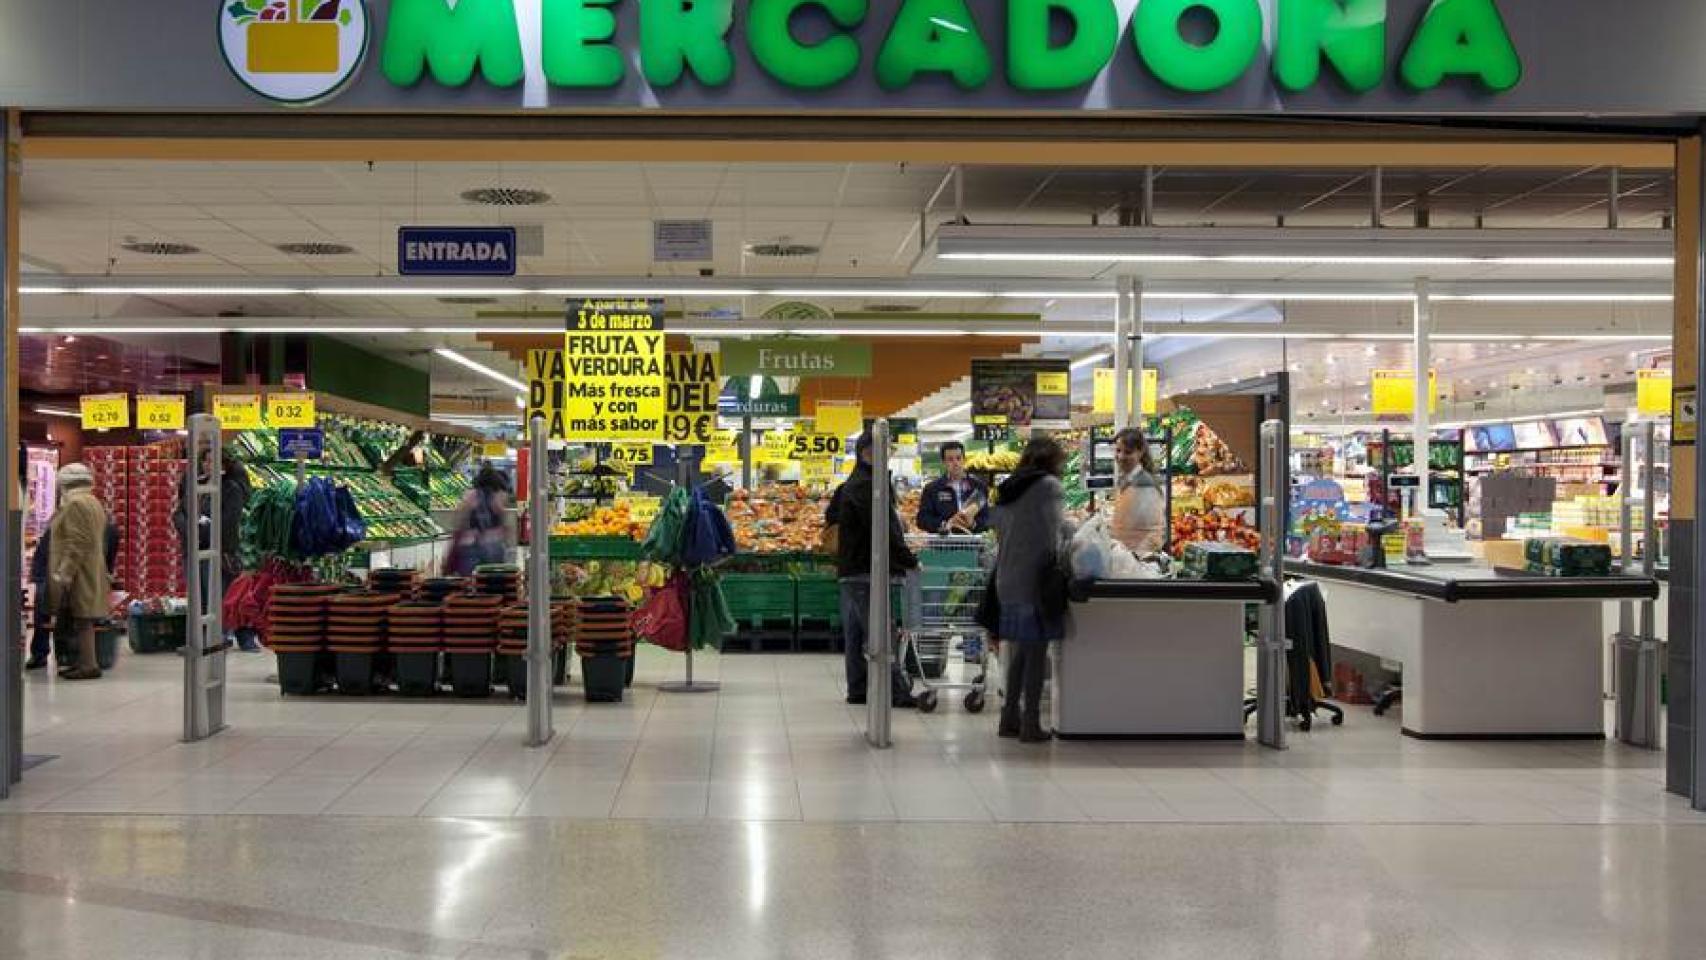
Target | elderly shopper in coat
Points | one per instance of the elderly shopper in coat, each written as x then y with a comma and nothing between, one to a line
78,582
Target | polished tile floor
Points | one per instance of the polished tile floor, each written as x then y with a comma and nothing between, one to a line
776,744
754,824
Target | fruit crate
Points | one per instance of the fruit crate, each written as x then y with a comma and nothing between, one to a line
760,598
817,599
596,548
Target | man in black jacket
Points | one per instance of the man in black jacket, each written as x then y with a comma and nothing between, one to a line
955,502
852,512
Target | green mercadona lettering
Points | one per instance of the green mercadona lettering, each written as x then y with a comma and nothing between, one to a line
1052,45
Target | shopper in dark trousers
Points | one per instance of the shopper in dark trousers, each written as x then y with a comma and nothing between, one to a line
79,587
1030,521
234,493
852,513
41,633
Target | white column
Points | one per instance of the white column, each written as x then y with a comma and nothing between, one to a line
1421,424
1128,353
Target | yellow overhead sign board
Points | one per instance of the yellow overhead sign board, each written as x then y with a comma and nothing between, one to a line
1393,392
238,411
1103,391
106,411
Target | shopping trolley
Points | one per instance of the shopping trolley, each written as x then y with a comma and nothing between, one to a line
943,599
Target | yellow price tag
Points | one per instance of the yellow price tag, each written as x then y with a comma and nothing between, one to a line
494,451
1103,391
238,411
106,411
627,456
842,418
817,470
990,420
724,448
294,411
641,508
809,446
1393,392
776,448
1653,392
1054,384
160,412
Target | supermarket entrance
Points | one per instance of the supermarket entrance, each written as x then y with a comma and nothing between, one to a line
424,375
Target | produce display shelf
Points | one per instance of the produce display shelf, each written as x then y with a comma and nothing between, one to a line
596,548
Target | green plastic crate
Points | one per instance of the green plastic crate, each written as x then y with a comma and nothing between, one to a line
758,598
818,598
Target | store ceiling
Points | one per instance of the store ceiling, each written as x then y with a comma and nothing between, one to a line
864,221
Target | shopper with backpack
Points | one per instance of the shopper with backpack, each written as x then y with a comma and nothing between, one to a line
484,528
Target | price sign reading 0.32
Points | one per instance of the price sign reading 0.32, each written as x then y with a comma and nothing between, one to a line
294,411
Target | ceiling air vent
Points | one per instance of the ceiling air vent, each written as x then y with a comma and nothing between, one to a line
316,249
161,248
782,249
506,196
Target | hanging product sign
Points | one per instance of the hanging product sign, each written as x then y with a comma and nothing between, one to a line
777,447
309,444
817,471
841,418
1393,392
160,412
1010,389
796,357
695,384
617,387
456,251
744,406
1653,390
239,411
495,451
547,391
106,411
723,449
681,241
627,456
641,508
814,444
1103,391
292,410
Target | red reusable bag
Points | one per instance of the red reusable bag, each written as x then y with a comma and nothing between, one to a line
662,619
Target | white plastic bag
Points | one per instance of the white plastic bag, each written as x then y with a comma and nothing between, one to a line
1096,555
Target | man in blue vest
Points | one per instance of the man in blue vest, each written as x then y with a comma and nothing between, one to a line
956,502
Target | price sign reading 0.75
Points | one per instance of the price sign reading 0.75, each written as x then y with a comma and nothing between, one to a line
290,411
809,446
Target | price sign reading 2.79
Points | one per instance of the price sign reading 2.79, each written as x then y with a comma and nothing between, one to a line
290,411
107,411
809,446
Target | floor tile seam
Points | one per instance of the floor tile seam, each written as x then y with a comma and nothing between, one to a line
420,811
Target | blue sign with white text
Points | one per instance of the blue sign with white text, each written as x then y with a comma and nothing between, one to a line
307,444
456,251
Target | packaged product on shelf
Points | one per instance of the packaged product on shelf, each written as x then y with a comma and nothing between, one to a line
612,521
779,518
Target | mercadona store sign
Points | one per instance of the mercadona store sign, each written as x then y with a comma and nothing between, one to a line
1189,45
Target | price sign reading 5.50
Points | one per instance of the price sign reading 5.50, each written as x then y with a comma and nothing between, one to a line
809,446
290,411
107,411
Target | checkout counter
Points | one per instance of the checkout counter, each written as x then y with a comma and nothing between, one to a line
1156,659
1486,654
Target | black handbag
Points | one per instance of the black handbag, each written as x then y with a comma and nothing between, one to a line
989,608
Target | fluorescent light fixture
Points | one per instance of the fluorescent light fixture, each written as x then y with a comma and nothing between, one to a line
946,428
520,404
406,291
56,412
947,414
1054,295
1093,359
1553,297
1299,295
476,331
755,388
160,291
135,331
651,292
901,292
732,331
481,368
1607,338
1308,260
375,331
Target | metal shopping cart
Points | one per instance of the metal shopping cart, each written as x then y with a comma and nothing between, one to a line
944,597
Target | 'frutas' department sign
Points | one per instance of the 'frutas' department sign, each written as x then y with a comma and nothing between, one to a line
1029,46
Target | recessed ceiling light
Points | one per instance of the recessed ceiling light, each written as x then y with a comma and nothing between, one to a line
507,196
160,248
316,249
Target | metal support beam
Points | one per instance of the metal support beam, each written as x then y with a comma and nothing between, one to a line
1614,202
1148,219
1636,659
1128,353
11,545
1422,421
539,648
1271,642
879,635
1689,773
1377,199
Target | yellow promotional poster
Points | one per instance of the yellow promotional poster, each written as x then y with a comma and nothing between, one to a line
818,470
160,412
1103,391
724,448
106,411
695,384
1393,392
238,411
495,451
777,447
615,376
1652,392
292,411
547,391
841,418
1054,384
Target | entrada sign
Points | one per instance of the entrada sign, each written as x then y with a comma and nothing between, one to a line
1041,46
